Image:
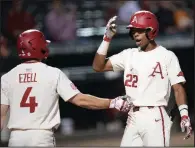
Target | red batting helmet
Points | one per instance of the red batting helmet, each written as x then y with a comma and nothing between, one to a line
31,44
144,20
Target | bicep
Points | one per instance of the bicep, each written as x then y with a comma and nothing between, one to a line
65,87
175,73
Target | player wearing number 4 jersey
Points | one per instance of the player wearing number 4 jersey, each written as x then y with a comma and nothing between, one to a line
149,72
31,91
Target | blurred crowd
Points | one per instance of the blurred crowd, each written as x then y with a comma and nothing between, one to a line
174,16
60,19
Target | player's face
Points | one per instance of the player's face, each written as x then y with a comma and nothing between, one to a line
139,35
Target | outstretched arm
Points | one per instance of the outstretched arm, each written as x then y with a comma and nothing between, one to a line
4,110
93,102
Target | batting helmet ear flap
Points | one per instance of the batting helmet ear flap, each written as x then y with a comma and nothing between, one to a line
147,32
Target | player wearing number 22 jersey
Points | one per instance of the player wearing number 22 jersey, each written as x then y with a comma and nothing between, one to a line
150,70
31,91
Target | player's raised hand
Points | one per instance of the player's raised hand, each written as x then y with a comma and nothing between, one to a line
111,28
186,126
121,103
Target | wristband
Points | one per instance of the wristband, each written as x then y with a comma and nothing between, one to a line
103,48
183,109
112,103
107,39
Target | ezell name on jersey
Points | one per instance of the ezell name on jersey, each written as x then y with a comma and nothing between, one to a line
27,77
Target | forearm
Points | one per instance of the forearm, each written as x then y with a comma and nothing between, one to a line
100,57
180,96
92,102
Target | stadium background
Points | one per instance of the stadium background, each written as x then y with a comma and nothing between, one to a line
76,32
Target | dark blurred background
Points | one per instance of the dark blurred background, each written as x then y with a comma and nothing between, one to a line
76,30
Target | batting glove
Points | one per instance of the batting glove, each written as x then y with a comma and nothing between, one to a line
186,126
110,29
120,103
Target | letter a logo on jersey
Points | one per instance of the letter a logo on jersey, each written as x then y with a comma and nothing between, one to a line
157,69
134,19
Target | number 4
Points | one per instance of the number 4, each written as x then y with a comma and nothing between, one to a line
32,102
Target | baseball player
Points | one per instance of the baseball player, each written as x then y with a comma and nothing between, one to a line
150,70
31,91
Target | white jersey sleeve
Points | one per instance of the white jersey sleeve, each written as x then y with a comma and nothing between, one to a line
4,91
118,61
175,73
65,88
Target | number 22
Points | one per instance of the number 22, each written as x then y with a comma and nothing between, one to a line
131,80
32,100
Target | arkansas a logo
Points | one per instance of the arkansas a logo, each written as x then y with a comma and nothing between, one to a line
157,70
134,19
180,74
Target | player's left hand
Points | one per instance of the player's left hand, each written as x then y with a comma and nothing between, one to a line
186,126
121,103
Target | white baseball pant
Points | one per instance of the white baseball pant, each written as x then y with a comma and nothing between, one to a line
32,138
147,126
